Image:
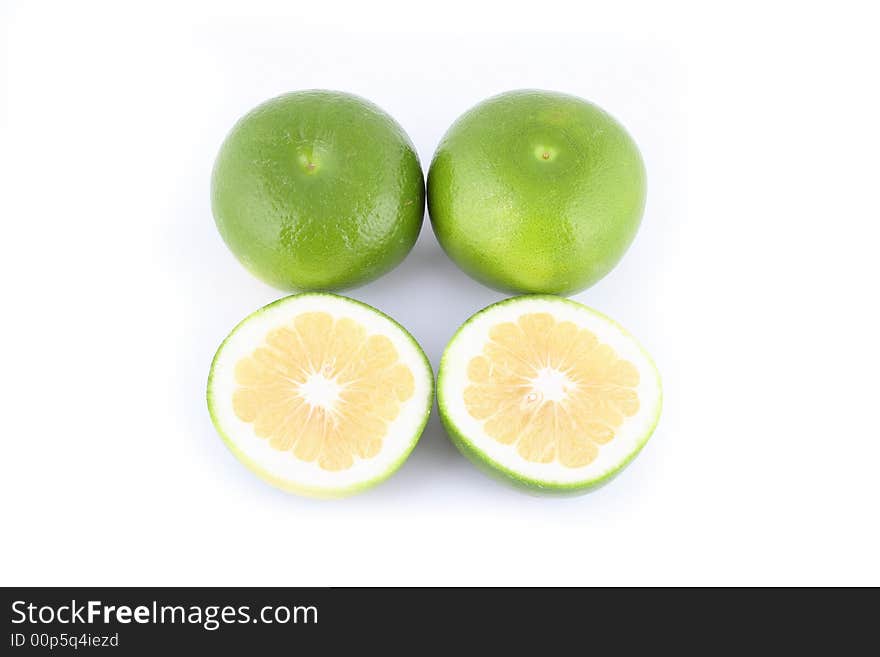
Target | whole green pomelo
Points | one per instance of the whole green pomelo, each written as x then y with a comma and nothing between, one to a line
318,190
536,191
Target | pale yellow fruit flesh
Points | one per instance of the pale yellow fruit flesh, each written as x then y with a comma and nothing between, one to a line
322,389
550,389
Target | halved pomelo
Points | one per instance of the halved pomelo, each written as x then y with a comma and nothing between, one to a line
548,393
320,395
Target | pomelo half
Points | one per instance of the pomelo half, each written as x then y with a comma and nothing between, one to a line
548,393
320,395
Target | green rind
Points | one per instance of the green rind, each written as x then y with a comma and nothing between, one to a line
293,487
505,474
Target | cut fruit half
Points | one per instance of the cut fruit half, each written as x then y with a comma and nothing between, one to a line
549,393
320,395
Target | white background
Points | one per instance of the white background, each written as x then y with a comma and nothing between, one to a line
753,282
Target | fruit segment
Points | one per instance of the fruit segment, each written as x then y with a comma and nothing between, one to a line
322,389
550,389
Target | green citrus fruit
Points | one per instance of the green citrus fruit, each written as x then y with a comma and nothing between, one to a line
318,190
534,191
320,395
548,394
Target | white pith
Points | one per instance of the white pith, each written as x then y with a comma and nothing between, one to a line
549,383
402,433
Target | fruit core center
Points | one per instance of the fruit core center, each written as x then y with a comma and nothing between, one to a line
318,390
549,385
